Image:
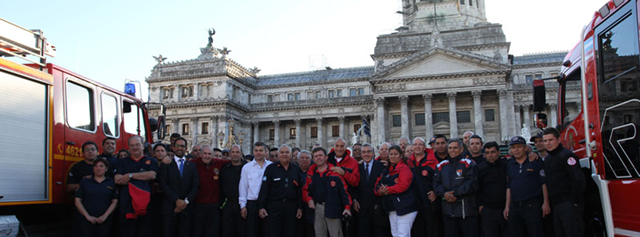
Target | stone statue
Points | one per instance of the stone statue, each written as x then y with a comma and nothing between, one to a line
211,33
526,134
354,139
160,59
225,52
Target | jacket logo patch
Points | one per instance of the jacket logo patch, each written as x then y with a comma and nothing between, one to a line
395,180
148,162
459,173
295,183
571,161
425,173
542,173
216,171
333,183
264,178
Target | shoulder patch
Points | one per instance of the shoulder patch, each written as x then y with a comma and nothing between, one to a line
542,173
442,163
264,178
571,161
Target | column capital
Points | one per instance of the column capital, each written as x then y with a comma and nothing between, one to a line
297,121
194,119
319,120
404,99
214,118
366,116
427,97
255,123
174,120
476,94
276,122
341,118
502,93
452,96
380,100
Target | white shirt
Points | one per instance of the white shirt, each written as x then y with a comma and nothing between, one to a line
250,181
177,159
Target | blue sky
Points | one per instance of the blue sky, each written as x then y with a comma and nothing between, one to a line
110,41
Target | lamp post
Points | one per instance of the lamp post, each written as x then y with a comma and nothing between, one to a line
221,136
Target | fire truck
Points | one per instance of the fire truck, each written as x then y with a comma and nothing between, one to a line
47,112
605,132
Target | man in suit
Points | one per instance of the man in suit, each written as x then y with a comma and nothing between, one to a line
364,200
179,182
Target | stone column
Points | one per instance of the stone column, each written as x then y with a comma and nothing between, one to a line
404,107
428,120
256,131
504,122
320,131
381,121
527,118
176,125
477,112
553,110
518,120
276,136
341,134
298,132
453,116
194,129
214,135
196,91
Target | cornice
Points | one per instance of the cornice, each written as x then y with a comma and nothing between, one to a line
375,82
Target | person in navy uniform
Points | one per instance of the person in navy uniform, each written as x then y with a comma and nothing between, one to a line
492,180
566,184
83,168
95,200
456,182
232,222
135,174
527,200
326,192
364,197
304,226
279,199
475,149
109,153
398,195
179,181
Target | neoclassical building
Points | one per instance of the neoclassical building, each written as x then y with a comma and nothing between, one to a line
446,70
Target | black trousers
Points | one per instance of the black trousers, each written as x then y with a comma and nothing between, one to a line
139,227
525,218
233,225
207,222
177,224
255,226
86,229
367,226
281,219
493,222
426,223
461,227
567,219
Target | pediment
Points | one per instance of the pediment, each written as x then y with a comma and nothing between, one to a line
439,61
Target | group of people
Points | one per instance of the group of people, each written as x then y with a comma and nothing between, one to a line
439,187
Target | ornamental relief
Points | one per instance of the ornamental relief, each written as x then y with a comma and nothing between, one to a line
390,88
487,81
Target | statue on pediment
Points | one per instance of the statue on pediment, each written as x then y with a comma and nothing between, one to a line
211,32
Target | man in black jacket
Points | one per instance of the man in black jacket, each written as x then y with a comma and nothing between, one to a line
565,184
456,183
492,180
179,182
232,223
364,199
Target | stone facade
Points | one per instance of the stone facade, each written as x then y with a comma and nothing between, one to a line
426,79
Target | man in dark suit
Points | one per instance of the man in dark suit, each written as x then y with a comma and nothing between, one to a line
364,200
179,182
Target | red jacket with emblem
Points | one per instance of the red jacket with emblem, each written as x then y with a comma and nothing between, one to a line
423,171
329,188
209,189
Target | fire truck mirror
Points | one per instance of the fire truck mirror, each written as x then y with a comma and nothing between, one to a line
153,124
539,96
540,120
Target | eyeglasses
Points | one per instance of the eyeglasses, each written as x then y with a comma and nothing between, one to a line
90,149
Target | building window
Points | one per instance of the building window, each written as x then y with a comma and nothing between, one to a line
272,134
396,120
276,97
269,98
292,133
554,74
528,78
318,94
419,118
470,2
205,128
185,129
310,95
290,97
463,116
335,131
353,92
461,2
440,117
297,95
314,132
339,93
489,115
331,93
167,130
356,127
360,91
187,91
538,76
167,93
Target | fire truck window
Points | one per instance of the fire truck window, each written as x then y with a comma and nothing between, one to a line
131,118
80,111
110,116
571,98
619,97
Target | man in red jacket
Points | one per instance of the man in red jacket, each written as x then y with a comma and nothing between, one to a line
343,164
207,221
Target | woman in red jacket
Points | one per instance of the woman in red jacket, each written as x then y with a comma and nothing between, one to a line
398,196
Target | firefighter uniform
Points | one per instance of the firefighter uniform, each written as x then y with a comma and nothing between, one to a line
525,210
133,223
492,180
280,195
458,174
566,185
232,223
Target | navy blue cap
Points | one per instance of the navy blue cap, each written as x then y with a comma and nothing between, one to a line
537,135
517,140
432,140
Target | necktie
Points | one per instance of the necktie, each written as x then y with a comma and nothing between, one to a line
366,170
181,166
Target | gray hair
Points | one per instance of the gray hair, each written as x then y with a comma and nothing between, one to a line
385,143
421,139
455,140
305,152
370,146
400,139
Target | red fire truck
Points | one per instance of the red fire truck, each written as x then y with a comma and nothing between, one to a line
47,113
605,132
